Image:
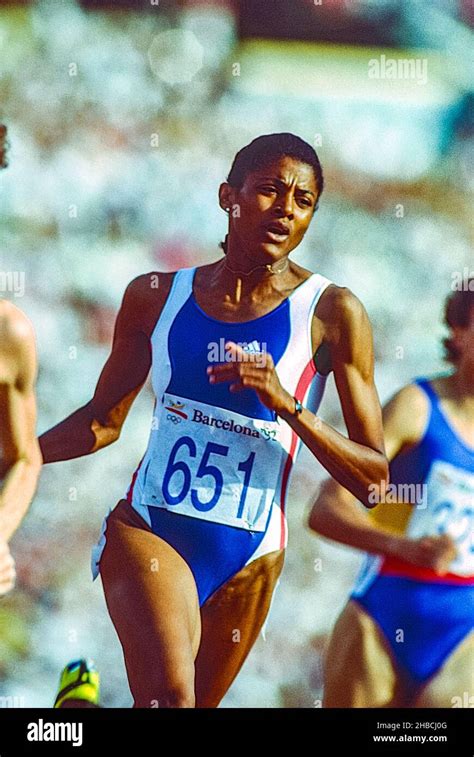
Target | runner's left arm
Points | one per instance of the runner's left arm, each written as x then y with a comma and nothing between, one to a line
358,461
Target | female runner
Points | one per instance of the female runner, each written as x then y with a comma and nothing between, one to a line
239,352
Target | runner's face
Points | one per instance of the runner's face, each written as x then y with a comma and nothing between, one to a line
283,192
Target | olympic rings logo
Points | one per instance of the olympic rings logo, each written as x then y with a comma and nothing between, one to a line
173,418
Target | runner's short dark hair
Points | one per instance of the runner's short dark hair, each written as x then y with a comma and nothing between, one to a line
268,147
458,311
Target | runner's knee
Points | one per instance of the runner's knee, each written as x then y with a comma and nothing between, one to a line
159,694
179,696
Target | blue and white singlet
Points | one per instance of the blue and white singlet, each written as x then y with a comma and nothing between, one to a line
214,478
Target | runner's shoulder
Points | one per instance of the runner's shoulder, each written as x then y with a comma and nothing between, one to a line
147,285
145,297
408,410
16,329
147,289
341,310
411,398
343,301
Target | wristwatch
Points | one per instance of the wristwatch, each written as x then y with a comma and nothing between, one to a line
298,407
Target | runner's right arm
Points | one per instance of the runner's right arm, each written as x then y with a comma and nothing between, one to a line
98,423
20,459
337,515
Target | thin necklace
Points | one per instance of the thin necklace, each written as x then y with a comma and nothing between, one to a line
268,266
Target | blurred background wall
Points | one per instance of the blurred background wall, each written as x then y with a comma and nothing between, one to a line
123,119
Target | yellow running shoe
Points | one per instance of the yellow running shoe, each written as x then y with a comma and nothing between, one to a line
79,680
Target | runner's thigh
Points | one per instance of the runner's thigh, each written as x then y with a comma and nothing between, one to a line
231,621
359,671
152,599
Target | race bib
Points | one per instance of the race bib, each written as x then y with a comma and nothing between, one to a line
450,510
213,464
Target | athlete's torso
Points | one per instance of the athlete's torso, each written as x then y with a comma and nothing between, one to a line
212,454
438,474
